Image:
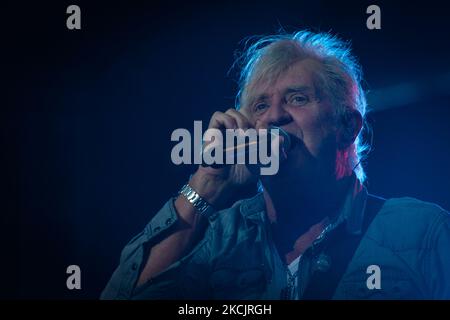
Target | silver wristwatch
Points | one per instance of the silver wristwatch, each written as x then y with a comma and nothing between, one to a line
203,207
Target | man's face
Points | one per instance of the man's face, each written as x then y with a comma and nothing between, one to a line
290,102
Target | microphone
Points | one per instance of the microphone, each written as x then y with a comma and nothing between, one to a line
248,150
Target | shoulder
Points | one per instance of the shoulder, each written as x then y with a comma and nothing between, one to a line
412,210
407,222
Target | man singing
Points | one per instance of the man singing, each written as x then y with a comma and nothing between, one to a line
313,231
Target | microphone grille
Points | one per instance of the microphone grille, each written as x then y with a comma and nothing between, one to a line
287,142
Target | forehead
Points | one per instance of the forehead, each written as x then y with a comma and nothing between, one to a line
300,74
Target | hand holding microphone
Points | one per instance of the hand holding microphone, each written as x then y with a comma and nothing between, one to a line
253,148
214,181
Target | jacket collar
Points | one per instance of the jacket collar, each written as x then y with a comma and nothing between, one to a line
351,212
254,208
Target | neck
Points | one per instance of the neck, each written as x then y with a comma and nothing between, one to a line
292,211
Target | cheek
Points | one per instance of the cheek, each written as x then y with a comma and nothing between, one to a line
318,133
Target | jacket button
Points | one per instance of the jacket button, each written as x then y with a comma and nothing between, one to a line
169,221
134,266
156,229
323,263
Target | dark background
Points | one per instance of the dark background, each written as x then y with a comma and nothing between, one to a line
87,116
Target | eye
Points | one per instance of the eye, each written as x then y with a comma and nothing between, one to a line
260,107
299,100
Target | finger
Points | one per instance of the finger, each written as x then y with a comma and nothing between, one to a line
246,111
220,120
241,120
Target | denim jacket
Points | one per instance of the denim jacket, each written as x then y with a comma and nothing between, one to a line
408,240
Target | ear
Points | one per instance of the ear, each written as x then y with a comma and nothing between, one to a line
351,124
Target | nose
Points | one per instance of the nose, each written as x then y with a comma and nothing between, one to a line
277,116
